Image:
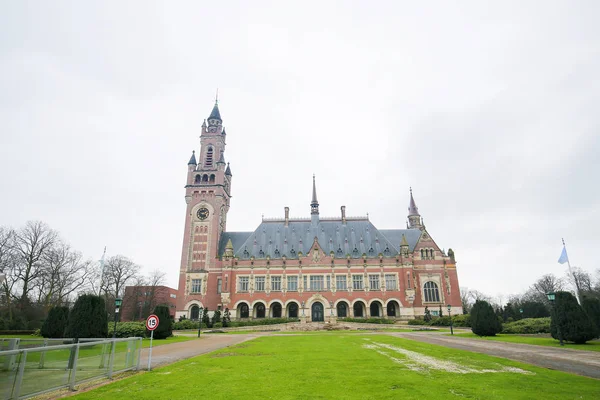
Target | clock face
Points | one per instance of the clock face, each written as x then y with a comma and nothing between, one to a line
202,213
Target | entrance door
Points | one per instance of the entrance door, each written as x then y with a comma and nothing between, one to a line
317,312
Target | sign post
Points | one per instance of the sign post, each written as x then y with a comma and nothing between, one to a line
151,325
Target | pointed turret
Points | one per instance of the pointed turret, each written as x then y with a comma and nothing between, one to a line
221,158
215,114
414,218
314,204
228,170
193,159
404,246
228,249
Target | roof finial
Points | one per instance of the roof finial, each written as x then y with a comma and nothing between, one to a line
217,97
412,208
314,204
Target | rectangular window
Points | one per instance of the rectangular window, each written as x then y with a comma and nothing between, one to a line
292,283
374,282
259,283
243,287
435,313
173,296
316,283
357,282
219,285
196,285
328,282
276,283
340,282
305,286
390,282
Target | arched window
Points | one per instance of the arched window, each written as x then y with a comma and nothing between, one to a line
209,157
431,291
197,179
431,254
194,312
212,178
205,178
422,254
342,310
244,311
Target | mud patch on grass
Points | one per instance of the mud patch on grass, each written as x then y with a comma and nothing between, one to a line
422,363
219,355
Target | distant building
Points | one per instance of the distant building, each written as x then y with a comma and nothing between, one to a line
312,268
139,301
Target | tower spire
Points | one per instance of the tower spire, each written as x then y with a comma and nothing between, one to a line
414,218
314,204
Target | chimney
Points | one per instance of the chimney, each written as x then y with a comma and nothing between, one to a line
287,216
343,214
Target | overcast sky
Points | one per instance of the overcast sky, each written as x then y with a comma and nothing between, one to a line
490,113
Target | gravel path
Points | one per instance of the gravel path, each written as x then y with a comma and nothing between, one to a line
581,362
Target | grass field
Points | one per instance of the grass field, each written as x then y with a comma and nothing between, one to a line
343,366
536,340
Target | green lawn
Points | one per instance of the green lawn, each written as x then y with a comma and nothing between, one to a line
536,340
342,366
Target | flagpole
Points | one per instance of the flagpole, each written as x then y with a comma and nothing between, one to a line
571,272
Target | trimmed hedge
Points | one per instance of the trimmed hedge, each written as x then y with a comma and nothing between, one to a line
368,320
128,329
263,321
527,326
457,320
18,332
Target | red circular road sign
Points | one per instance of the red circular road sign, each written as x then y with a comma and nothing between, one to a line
152,322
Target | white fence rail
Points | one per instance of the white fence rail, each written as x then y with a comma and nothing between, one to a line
26,372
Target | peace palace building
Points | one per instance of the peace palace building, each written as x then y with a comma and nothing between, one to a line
315,269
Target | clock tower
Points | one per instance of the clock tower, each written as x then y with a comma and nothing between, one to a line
207,197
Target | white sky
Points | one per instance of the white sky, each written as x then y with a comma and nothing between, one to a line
489,111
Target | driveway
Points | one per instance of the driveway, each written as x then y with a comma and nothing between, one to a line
580,362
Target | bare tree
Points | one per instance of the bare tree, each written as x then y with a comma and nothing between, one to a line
32,244
581,280
118,271
64,273
144,294
7,268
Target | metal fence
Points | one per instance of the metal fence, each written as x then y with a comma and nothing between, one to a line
26,372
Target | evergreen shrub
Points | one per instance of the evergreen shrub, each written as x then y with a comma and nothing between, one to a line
368,320
568,317
55,324
88,318
165,323
591,306
484,321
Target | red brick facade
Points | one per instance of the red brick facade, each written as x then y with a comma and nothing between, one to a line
139,301
312,268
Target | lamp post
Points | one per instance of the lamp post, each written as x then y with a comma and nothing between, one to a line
521,312
450,315
552,298
118,302
200,320
303,309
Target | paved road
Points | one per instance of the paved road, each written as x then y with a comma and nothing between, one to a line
581,362
170,353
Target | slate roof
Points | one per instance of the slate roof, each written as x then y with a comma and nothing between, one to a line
193,159
215,114
356,237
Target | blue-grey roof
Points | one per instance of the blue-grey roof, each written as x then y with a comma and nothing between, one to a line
215,114
193,159
356,237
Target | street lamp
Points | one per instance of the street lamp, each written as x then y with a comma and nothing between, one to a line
552,298
450,315
200,320
303,309
118,302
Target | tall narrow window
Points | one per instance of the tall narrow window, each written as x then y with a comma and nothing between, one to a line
431,291
259,283
292,283
196,285
209,157
374,282
243,284
357,282
276,283
304,282
219,285
328,282
390,282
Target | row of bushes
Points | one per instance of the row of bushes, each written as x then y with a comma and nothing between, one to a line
457,320
368,320
189,324
527,326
